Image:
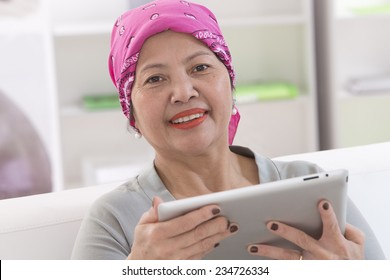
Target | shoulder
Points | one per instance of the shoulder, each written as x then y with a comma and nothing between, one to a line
127,203
272,170
289,169
107,229
127,200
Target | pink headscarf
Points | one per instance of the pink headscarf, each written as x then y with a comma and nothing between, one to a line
135,26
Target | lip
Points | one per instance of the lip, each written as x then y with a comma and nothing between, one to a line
189,124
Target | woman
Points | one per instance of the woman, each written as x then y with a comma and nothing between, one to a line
175,79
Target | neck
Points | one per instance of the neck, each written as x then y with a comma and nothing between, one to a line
186,176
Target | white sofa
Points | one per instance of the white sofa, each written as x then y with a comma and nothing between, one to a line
45,226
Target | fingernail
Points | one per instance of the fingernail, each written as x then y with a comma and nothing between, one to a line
274,227
216,245
233,228
216,211
325,206
253,249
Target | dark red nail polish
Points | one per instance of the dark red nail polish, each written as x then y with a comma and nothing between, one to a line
233,228
254,249
274,227
325,206
216,245
216,211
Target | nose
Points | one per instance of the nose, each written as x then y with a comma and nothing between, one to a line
183,89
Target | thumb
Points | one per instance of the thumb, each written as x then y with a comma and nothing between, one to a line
151,216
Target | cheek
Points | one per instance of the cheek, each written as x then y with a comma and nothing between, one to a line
224,91
148,112
137,106
222,80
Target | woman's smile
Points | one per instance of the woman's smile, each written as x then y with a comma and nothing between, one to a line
189,119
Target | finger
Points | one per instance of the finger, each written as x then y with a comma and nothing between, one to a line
202,231
200,248
329,220
191,220
207,235
298,237
354,234
206,245
274,252
151,215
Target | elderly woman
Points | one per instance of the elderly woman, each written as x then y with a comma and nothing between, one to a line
174,74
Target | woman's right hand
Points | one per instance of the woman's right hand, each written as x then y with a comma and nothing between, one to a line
190,236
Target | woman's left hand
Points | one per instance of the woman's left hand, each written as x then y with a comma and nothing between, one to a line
332,245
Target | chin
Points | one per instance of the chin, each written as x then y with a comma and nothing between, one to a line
199,146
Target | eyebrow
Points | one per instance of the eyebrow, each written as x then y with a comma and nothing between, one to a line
187,59
153,65
196,54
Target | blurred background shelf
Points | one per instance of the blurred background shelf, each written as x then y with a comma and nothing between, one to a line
354,9
352,46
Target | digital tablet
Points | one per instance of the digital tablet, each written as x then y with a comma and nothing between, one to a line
292,201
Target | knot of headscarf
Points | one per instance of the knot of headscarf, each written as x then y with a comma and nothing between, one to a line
135,26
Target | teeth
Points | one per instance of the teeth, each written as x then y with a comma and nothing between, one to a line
187,118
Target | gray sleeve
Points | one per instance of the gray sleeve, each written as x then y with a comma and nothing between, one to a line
296,168
373,250
107,231
100,236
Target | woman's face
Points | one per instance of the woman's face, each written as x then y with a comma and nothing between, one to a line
182,95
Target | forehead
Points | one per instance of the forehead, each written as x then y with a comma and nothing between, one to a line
170,43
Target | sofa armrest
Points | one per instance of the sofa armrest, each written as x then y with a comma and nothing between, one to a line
44,226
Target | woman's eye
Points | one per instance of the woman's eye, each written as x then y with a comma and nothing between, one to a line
200,68
153,79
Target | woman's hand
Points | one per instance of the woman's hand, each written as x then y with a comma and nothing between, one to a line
190,236
332,245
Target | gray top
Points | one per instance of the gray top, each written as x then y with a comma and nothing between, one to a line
107,231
